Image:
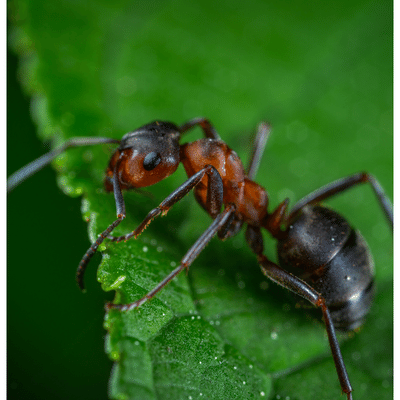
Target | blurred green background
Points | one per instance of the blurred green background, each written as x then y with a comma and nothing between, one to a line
321,73
55,337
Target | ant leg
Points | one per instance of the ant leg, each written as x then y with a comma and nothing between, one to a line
214,199
205,125
298,286
120,205
186,261
25,172
260,141
340,186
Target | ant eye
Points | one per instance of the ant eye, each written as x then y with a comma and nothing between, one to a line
151,161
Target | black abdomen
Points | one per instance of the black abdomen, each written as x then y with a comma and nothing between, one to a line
325,251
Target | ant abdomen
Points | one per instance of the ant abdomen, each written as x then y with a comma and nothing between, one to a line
325,251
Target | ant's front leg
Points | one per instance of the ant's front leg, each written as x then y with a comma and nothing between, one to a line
30,169
186,261
213,204
214,199
120,204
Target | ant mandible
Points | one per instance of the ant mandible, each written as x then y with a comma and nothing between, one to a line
322,258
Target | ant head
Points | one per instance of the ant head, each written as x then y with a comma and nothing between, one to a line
145,156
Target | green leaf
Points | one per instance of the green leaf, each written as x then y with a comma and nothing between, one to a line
322,76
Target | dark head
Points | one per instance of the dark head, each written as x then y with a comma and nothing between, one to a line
145,156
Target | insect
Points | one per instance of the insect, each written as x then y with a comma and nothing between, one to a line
322,258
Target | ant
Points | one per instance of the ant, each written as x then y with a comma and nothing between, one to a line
322,258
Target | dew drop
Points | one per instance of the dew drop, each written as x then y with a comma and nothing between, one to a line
250,301
385,384
117,283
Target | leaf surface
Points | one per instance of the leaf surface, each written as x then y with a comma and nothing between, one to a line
321,75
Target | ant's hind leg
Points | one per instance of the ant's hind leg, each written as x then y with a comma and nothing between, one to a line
25,172
342,185
186,261
298,286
